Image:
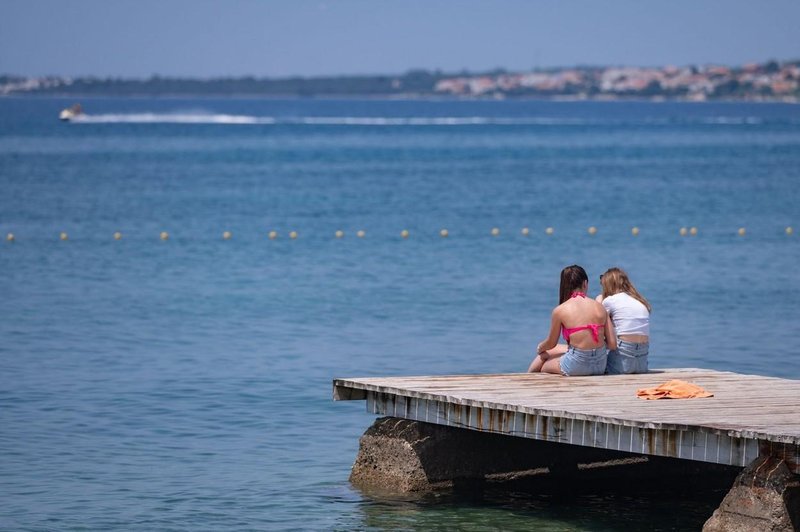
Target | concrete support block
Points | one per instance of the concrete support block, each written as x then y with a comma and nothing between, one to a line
764,497
400,455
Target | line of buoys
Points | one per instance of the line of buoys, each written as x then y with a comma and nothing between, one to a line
444,233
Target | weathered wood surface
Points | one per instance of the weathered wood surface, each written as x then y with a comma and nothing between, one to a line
749,415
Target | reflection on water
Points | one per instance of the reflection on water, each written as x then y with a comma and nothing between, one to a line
644,505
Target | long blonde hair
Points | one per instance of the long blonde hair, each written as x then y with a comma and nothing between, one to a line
615,280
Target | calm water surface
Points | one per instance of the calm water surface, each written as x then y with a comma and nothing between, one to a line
185,384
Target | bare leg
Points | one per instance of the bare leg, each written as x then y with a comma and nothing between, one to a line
552,365
539,362
557,351
536,365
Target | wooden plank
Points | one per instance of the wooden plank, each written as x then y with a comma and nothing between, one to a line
746,413
709,446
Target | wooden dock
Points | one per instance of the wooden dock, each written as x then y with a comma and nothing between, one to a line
748,416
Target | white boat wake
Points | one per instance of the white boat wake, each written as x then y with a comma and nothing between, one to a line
170,118
231,119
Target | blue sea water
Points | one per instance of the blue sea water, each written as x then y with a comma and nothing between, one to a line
186,384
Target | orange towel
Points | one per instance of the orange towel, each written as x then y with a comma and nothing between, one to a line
674,389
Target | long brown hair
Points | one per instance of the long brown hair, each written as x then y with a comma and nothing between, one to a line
615,280
572,278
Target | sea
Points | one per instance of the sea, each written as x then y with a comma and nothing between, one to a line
170,378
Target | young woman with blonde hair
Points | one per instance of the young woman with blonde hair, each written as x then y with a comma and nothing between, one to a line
630,314
583,322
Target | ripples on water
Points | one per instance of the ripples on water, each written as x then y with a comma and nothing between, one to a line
186,384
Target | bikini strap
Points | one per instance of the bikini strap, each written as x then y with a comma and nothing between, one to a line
592,327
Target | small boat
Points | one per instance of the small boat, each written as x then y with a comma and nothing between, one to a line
70,112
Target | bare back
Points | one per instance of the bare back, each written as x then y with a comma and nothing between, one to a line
579,312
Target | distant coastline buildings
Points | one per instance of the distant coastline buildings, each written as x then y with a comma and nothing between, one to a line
771,81
698,83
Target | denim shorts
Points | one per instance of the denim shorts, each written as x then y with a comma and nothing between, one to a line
628,358
577,362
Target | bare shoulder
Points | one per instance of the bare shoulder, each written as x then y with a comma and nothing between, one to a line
600,306
565,309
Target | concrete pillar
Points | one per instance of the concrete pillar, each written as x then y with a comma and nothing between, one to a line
764,497
400,455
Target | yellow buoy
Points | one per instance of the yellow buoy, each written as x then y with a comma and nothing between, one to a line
293,235
273,235
361,234
404,233
226,235
63,236
339,234
10,237
683,231
742,231
549,230
789,231
525,231
117,235
693,231
495,231
164,235
444,233
592,230
635,231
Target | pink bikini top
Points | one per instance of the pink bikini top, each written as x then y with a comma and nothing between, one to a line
593,327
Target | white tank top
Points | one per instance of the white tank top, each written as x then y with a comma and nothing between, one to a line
629,315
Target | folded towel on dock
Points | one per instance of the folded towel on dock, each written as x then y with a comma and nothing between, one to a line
674,389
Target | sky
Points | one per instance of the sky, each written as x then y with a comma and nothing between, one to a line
280,38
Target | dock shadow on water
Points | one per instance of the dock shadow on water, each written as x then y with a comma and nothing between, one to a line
605,499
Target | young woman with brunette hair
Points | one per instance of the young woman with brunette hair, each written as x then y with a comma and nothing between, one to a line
584,324
630,314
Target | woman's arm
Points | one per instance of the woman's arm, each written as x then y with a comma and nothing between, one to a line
611,333
552,339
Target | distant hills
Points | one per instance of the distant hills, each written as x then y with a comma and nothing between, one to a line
763,81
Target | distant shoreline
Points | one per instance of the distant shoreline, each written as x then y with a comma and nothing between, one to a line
771,82
71,97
